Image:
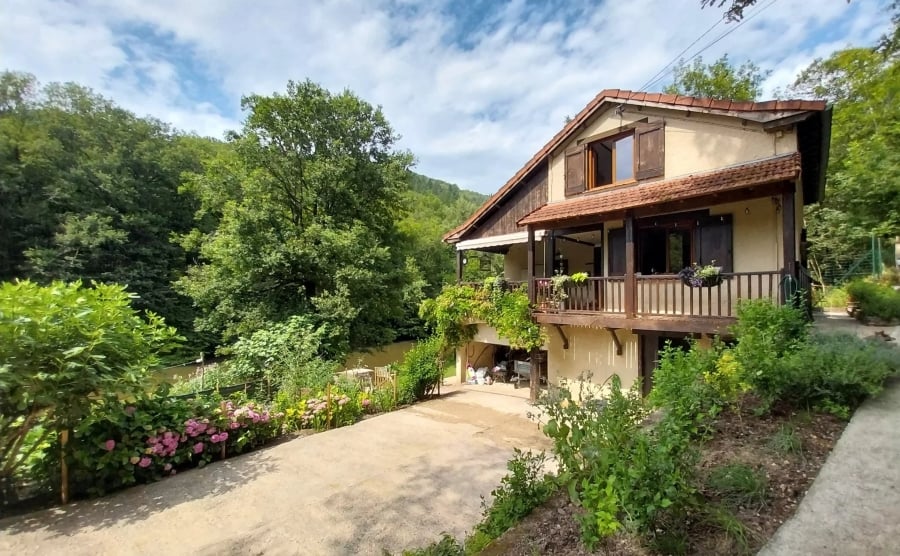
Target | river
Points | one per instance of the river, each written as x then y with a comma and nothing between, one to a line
391,353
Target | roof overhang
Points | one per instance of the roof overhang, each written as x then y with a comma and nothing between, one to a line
497,241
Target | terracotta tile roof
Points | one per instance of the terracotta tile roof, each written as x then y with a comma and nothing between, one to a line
624,96
760,172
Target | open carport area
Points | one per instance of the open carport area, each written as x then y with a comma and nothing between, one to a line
390,482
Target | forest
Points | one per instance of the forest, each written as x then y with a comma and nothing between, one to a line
310,210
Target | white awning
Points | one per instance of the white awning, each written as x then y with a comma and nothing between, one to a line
495,241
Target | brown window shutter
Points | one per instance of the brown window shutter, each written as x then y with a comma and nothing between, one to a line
716,242
650,150
575,171
616,249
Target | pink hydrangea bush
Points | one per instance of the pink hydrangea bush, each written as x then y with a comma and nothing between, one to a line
119,445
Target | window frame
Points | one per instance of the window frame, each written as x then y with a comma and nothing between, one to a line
590,174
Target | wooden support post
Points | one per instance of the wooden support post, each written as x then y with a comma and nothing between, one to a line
630,280
531,292
459,265
63,466
549,253
789,234
538,365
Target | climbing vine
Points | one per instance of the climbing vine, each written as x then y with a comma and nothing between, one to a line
453,314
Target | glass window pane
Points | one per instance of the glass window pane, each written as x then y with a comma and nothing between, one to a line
624,158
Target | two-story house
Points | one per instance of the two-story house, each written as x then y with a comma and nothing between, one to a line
633,189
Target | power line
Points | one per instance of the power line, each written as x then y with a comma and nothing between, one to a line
679,55
664,72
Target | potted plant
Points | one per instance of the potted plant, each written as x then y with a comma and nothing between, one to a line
558,286
701,276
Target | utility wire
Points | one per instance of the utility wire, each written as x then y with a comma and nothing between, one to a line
678,56
664,72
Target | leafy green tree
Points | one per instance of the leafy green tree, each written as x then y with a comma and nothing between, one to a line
306,201
63,346
90,192
863,192
719,80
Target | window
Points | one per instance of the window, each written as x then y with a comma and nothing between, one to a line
610,161
636,154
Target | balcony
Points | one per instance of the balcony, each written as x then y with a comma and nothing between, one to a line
657,302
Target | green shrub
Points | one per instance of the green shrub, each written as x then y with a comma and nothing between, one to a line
679,381
61,347
875,300
620,472
447,546
524,488
833,296
766,332
835,372
421,371
739,485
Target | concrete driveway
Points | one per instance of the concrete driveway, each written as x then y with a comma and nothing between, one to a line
390,482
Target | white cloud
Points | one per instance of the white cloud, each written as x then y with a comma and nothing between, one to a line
472,104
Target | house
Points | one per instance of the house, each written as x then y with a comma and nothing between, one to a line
632,190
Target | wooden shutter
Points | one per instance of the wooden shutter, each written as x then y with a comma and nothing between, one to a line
575,171
616,250
715,243
650,150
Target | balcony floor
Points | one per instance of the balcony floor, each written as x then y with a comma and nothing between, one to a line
692,324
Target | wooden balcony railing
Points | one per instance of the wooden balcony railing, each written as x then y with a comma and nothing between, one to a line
656,295
668,295
599,294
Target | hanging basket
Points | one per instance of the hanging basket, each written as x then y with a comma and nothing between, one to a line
690,278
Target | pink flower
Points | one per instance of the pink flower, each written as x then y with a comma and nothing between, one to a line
366,402
173,473
212,430
152,441
167,467
130,410
198,447
215,439
223,436
145,462
234,425
109,445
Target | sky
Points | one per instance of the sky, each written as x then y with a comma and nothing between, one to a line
473,88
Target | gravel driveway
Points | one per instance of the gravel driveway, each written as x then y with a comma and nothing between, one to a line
390,482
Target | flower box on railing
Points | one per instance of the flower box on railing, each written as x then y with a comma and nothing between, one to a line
696,276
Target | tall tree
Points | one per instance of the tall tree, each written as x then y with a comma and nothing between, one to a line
720,80
306,204
863,193
90,192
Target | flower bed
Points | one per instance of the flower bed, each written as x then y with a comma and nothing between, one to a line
122,443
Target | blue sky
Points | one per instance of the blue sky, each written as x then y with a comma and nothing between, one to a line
474,88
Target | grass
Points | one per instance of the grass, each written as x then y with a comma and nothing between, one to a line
738,485
786,441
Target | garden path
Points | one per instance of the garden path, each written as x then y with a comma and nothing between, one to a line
390,482
853,506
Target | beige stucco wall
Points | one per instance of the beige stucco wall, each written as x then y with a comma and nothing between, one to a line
591,351
695,143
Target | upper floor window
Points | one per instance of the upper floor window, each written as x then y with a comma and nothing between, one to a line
636,154
610,161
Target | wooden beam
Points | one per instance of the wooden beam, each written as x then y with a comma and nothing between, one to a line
789,232
531,292
459,266
718,326
615,339
562,335
630,280
573,240
549,253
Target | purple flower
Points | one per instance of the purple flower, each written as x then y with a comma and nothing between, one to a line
198,447
215,438
223,436
145,462
109,445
